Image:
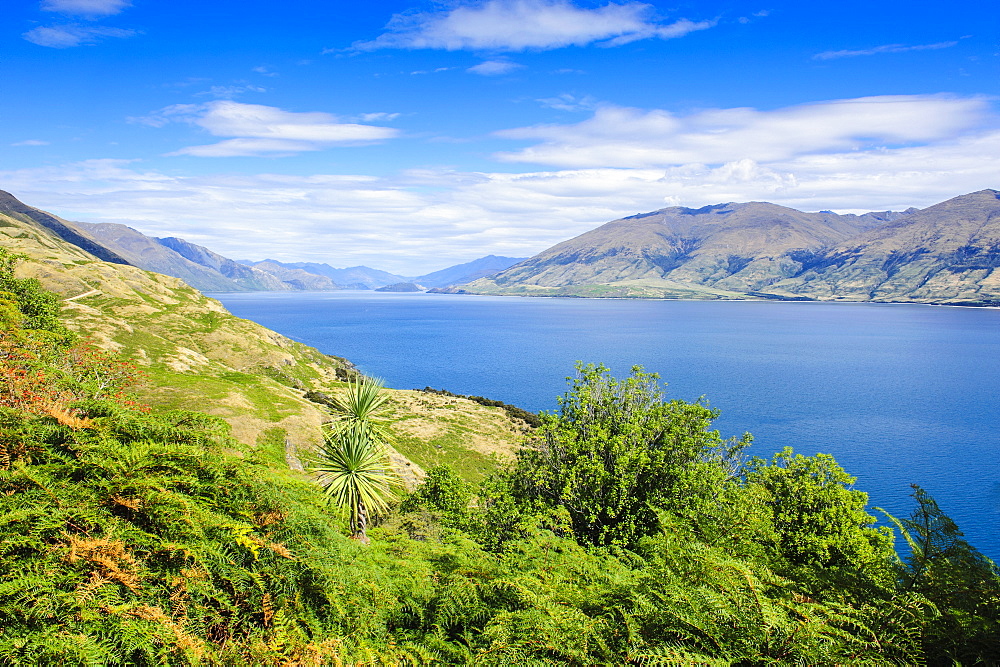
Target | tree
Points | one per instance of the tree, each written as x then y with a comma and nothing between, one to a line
444,492
618,453
354,468
822,535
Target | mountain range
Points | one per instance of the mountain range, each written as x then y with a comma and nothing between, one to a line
946,253
209,271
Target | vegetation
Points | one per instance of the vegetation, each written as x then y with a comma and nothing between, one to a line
354,465
514,412
626,531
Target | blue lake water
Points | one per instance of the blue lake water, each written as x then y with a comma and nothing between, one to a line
899,394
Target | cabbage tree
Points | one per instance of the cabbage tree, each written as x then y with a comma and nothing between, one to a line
353,467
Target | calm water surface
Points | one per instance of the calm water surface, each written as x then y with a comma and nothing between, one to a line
899,394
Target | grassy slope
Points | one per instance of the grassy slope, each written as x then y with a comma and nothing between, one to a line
199,356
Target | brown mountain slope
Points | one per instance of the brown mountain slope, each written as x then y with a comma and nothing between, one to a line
720,251
11,207
947,253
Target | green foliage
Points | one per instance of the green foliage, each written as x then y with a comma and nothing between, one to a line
822,535
355,473
617,453
963,584
626,533
442,492
39,308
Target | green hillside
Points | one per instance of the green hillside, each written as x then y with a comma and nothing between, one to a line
196,355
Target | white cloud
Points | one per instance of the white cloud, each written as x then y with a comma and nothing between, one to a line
625,137
885,48
494,67
65,36
518,25
31,142
402,223
86,7
262,130
264,71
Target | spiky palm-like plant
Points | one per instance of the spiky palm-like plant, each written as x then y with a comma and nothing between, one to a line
363,407
354,468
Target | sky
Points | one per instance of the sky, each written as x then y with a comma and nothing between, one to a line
414,135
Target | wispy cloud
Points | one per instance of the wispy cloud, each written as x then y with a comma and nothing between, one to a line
885,48
30,142
66,36
494,67
264,71
229,92
377,116
567,102
626,137
86,7
518,25
259,130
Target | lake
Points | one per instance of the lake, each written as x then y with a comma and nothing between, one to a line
899,394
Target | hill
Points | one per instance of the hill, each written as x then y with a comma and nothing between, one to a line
941,254
199,356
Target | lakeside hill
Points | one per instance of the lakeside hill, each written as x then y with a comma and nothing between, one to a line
942,254
198,356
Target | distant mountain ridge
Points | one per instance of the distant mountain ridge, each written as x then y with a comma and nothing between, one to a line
354,277
209,271
464,273
243,276
365,277
945,253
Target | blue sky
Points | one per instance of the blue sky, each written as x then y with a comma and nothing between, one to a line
415,135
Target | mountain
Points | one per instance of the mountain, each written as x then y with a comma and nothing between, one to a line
244,276
63,229
196,265
354,277
147,253
466,273
401,287
718,251
945,253
297,278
